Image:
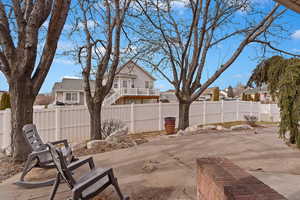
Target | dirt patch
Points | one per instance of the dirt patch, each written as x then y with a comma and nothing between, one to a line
9,168
128,141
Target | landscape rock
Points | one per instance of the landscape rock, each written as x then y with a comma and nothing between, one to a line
150,166
192,129
220,128
241,127
180,133
95,143
118,135
210,127
8,151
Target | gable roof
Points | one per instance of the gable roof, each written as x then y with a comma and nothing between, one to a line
70,84
262,89
136,65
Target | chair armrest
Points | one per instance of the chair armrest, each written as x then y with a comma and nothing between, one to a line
65,142
36,153
87,183
79,163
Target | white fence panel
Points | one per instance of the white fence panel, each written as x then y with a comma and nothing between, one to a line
146,118
196,113
213,112
230,111
45,121
1,128
73,123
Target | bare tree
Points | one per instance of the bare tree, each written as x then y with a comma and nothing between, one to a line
181,44
21,23
101,22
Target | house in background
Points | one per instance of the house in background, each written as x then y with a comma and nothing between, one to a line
170,97
264,94
132,84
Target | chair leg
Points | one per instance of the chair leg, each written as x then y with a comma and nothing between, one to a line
115,183
27,167
55,186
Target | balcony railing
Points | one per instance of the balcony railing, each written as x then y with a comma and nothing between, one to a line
137,92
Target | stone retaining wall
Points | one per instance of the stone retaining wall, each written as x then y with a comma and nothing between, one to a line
220,179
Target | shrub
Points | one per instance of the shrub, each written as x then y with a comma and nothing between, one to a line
244,97
109,126
257,97
5,101
216,94
251,119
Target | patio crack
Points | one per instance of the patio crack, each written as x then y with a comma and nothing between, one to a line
179,161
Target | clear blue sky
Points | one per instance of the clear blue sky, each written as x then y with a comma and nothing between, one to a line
238,72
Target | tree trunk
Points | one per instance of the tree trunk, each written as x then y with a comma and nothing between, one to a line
22,101
184,110
95,119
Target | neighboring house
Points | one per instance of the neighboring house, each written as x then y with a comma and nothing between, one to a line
208,93
43,99
132,84
264,95
170,96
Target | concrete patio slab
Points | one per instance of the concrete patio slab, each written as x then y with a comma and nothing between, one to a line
174,178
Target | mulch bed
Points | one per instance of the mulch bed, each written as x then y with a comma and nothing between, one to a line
9,168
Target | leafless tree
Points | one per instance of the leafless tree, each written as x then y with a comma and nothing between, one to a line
100,22
21,23
180,45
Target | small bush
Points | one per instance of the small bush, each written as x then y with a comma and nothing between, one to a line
110,126
5,101
251,120
216,94
257,97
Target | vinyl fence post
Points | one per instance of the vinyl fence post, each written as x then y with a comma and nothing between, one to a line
259,112
159,117
132,118
237,109
222,111
270,113
6,130
57,123
204,112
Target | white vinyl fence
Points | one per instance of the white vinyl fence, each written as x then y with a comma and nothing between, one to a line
72,123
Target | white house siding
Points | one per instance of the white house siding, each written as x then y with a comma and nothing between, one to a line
139,82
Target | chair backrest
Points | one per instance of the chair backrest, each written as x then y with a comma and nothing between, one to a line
32,137
61,165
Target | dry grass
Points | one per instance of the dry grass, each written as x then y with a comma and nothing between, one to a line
229,124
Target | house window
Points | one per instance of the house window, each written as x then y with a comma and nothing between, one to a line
71,96
115,84
125,83
146,84
150,84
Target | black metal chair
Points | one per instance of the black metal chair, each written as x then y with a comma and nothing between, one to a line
88,185
40,156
